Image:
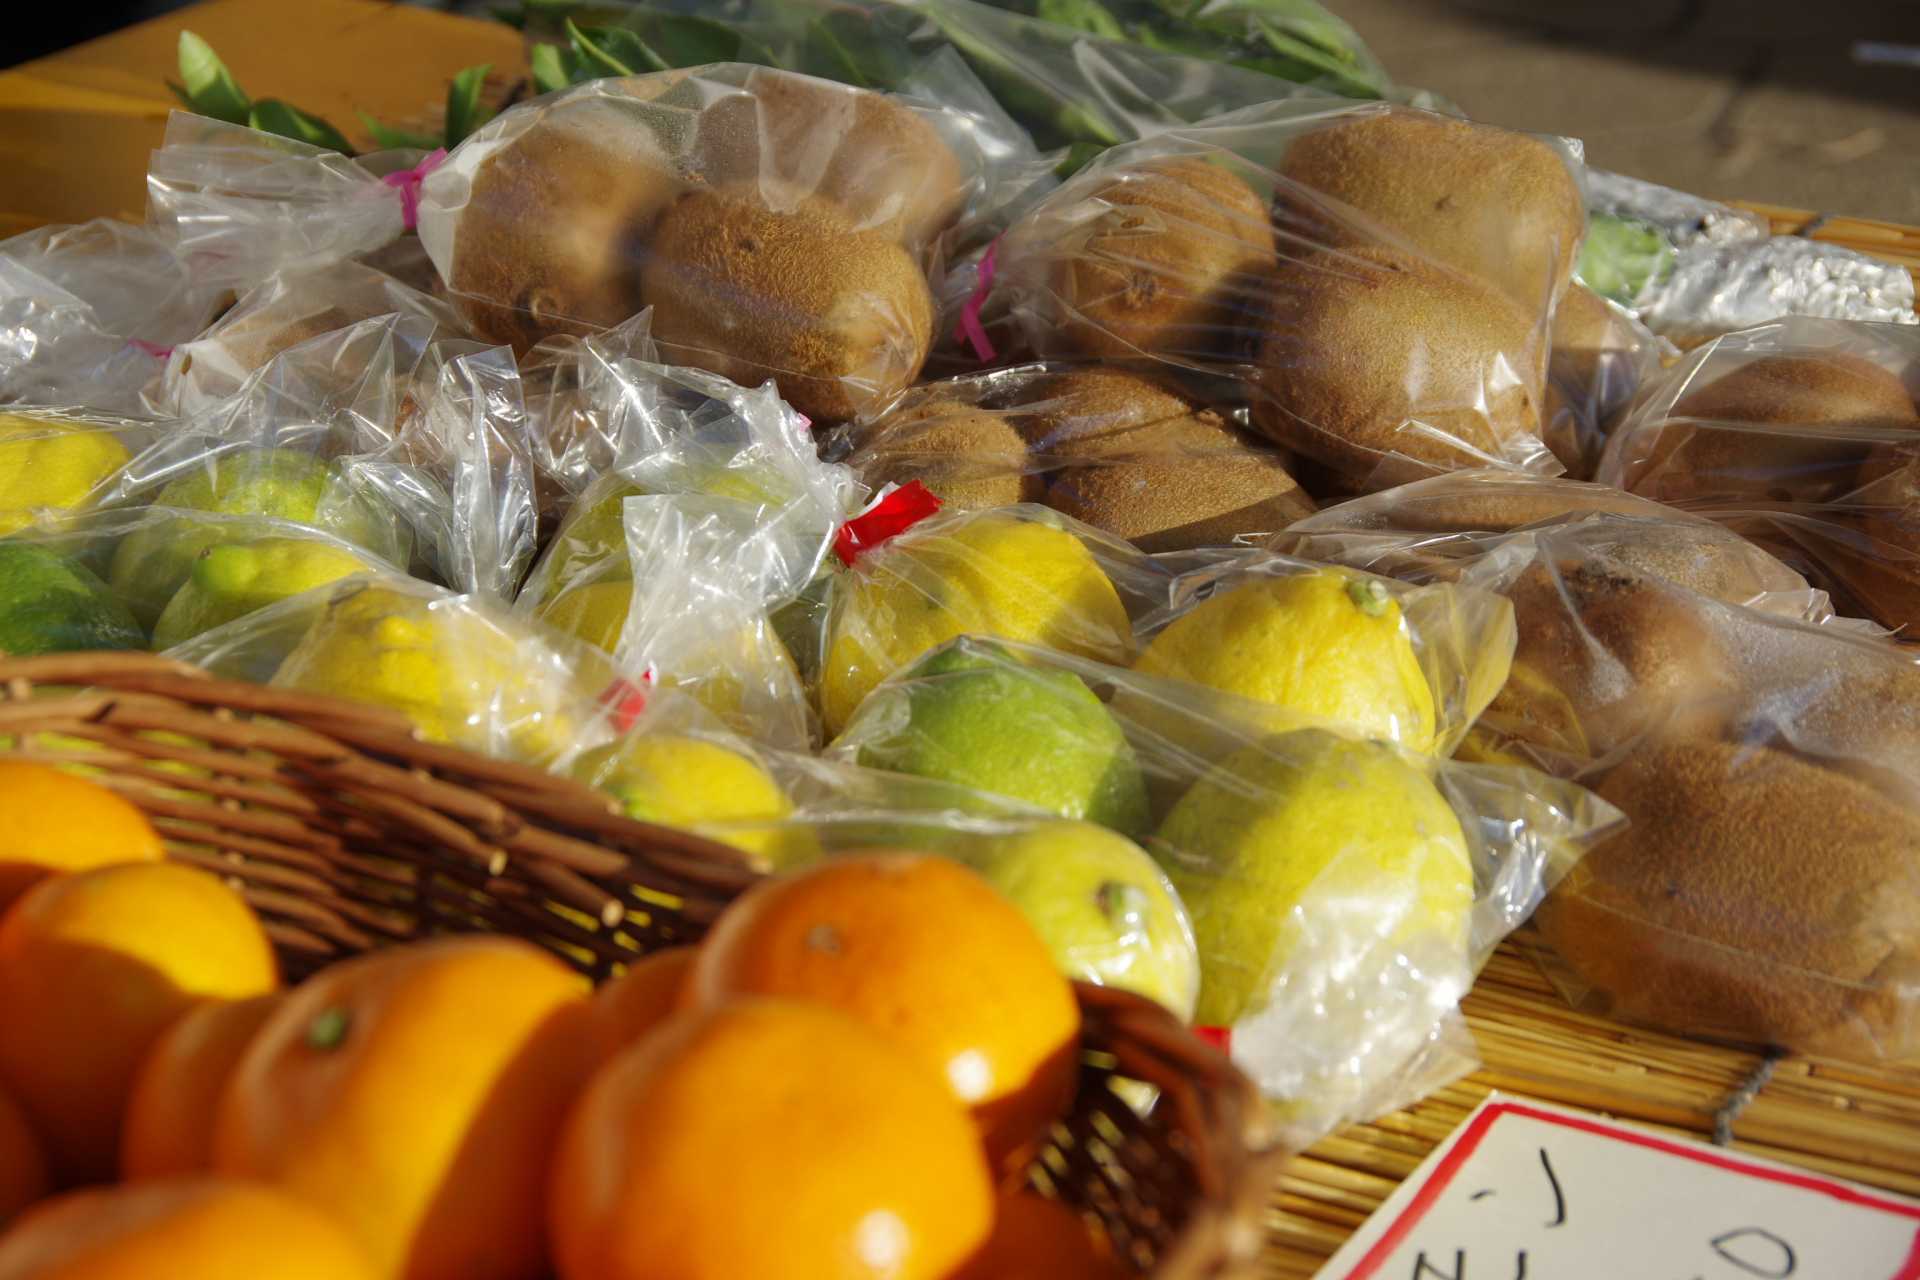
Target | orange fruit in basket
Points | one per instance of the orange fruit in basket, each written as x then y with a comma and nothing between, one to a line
927,952
640,999
415,1095
767,1138
52,821
168,1128
23,1165
93,968
1037,1238
189,1229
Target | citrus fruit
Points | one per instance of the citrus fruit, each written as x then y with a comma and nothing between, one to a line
23,1164
230,580
925,951
1304,851
640,999
50,465
168,1128
1038,1238
987,573
674,780
767,1138
1329,645
594,611
972,714
189,1229
52,821
415,1096
1104,907
155,560
50,604
459,674
94,966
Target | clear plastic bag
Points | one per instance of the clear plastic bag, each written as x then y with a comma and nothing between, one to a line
89,312
778,226
1130,454
53,463
1601,358
1289,247
1342,894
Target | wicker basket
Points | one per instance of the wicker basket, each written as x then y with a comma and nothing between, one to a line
347,833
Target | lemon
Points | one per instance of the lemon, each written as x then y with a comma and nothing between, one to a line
987,573
461,676
1328,645
595,611
1305,852
154,561
49,465
673,780
231,580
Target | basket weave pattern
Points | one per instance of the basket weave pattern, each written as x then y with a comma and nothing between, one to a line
346,833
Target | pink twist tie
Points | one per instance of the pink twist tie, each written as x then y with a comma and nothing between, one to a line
970,327
407,183
154,349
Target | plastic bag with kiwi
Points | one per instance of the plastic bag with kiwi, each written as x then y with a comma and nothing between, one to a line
1602,356
1130,453
1342,893
1376,281
281,312
1791,411
778,226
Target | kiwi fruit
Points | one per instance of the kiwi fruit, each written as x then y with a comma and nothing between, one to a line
1377,352
1592,375
972,458
1753,896
1604,656
550,239
840,317
1495,204
1825,410
1171,263
887,168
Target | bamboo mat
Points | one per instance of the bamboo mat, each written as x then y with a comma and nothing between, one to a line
1851,1121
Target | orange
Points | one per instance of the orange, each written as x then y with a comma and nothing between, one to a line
1036,1238
23,1165
188,1229
93,967
52,821
641,998
168,1128
927,952
767,1138
415,1095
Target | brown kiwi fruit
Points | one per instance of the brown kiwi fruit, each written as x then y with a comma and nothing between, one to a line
1592,374
841,318
1076,410
1603,656
1753,896
1490,202
1826,407
887,168
550,239
972,458
1873,550
1376,352
1171,265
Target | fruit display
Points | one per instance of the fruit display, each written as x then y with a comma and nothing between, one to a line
733,648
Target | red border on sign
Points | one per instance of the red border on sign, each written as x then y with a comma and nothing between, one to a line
1476,1132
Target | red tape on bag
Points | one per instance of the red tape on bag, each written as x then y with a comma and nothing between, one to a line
891,514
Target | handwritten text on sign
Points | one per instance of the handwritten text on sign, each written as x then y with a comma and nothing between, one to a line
1525,1191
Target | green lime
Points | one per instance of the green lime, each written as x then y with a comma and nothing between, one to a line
50,604
232,579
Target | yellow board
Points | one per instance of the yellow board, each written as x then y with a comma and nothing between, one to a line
76,128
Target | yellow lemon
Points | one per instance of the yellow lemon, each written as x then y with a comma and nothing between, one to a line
674,780
460,675
46,464
990,573
595,612
1331,646
231,580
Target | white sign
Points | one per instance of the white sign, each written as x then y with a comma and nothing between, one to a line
1527,1191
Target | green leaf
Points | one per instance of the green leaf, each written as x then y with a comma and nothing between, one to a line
270,115
210,87
1082,15
841,45
180,92
388,136
464,112
613,51
552,67
682,40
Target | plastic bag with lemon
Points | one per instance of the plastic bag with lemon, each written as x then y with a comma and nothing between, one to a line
52,464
